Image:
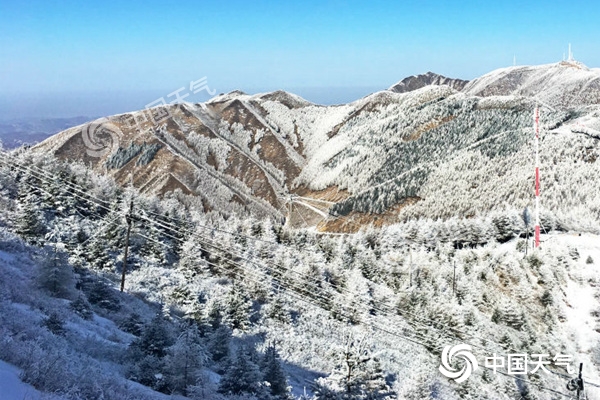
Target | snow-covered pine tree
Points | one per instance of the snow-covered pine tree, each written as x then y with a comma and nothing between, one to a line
237,309
276,310
218,344
270,366
155,338
154,248
242,376
357,375
133,324
97,253
55,324
185,359
82,307
101,294
56,275
147,354
28,220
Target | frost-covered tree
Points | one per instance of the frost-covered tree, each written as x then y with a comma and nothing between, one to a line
154,249
155,338
277,310
185,359
101,294
219,344
82,307
55,324
357,375
147,354
242,376
237,309
97,253
28,220
273,374
133,324
56,275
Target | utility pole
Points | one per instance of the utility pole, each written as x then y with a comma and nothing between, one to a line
580,381
577,383
526,220
410,266
129,222
537,176
454,278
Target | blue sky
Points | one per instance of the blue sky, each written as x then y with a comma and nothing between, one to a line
103,57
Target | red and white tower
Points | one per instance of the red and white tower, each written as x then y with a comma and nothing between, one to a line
537,175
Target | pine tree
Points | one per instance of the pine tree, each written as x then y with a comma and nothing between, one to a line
273,373
56,275
215,315
219,344
75,247
148,370
133,324
55,324
114,232
196,313
155,338
82,307
512,316
417,385
97,254
237,309
242,376
190,258
102,295
358,375
147,354
28,220
277,310
154,249
185,359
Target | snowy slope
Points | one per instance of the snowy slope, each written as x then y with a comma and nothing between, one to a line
561,85
12,388
418,81
424,152
436,292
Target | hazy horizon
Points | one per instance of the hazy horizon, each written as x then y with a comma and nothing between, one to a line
96,104
71,58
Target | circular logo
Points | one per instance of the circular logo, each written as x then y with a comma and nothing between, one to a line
463,351
101,137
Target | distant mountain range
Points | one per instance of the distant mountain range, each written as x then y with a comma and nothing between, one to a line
18,132
428,146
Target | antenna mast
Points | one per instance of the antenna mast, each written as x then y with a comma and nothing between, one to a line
537,175
570,54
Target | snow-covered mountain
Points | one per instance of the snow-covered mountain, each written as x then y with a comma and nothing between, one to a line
433,151
418,81
220,302
223,308
567,84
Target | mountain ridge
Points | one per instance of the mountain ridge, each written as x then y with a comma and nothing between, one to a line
242,153
414,82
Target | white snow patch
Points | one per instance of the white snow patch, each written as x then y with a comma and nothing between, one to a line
12,388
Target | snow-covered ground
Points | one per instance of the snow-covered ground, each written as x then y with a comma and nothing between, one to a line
581,296
11,387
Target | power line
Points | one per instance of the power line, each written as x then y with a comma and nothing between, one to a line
315,284
385,312
382,329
